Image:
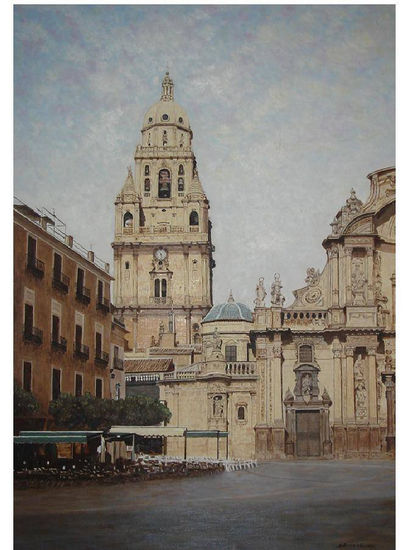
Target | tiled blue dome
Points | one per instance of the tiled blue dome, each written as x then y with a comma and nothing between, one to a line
230,311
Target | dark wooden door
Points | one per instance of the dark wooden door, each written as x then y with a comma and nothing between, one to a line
308,433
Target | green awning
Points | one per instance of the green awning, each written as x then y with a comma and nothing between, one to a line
43,437
206,433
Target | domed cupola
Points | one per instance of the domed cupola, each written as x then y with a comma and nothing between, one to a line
230,311
166,123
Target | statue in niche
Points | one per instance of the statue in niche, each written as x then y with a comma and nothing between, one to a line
306,384
260,294
218,406
161,328
277,297
358,367
217,341
358,283
360,399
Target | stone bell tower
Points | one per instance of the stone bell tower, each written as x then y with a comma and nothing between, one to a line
162,245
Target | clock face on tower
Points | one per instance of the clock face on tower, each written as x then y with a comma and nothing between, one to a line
160,254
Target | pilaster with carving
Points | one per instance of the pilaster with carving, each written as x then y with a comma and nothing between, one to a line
337,382
350,390
369,270
373,404
348,273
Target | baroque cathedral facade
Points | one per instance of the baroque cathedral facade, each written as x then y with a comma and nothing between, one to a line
315,378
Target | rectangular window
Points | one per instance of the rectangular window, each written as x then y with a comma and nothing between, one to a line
55,328
78,336
78,385
164,288
28,319
56,379
27,376
231,353
98,344
31,249
80,280
57,267
99,388
99,292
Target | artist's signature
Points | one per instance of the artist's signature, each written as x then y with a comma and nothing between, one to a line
355,545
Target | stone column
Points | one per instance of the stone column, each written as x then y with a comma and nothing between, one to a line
333,255
186,276
205,276
388,378
350,390
373,406
369,270
393,281
135,275
348,274
337,384
276,361
117,275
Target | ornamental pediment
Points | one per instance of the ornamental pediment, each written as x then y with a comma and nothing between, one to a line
363,225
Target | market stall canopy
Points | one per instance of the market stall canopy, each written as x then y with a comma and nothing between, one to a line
149,431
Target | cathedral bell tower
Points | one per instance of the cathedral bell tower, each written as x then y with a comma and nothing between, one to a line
162,246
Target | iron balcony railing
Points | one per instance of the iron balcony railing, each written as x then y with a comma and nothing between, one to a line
81,351
59,343
83,294
103,304
32,334
101,358
35,266
61,282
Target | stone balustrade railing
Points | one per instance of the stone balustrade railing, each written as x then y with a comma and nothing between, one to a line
184,375
142,377
316,319
241,368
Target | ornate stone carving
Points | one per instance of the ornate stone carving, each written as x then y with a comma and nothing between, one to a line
312,276
218,407
337,353
260,294
349,350
333,252
358,282
348,250
313,295
277,351
388,360
277,297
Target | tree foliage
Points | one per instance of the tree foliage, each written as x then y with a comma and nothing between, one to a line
87,412
25,404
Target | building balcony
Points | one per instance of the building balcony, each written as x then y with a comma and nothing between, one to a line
240,368
35,266
101,358
58,343
83,294
61,282
32,334
103,304
81,351
118,364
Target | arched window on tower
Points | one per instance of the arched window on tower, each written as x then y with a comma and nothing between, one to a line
146,170
157,288
164,288
194,218
128,220
305,354
241,413
180,184
164,184
181,170
147,185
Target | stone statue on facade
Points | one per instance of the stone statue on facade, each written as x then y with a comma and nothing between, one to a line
260,294
218,409
216,342
358,367
360,400
306,384
312,276
277,297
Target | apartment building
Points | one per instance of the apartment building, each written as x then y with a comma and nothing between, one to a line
66,339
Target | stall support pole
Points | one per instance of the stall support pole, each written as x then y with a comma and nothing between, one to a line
217,445
185,452
133,450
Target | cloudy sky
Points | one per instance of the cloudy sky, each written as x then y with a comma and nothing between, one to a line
290,107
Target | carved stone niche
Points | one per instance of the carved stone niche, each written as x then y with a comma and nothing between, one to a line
306,387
